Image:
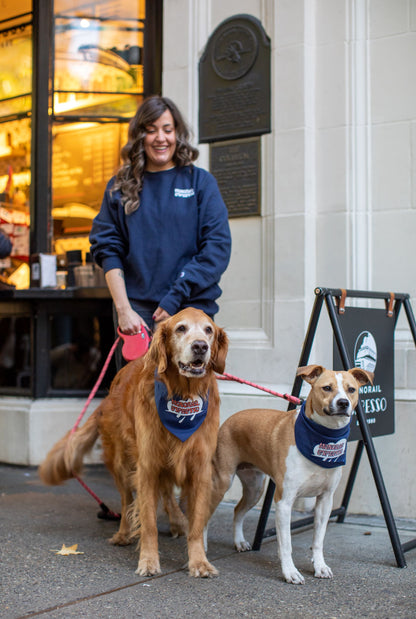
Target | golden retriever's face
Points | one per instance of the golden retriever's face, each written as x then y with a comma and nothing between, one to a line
191,342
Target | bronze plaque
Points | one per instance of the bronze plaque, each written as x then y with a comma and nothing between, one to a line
234,81
236,166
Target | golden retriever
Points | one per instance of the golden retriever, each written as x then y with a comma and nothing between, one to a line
146,457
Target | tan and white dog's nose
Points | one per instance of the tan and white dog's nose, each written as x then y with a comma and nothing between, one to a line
342,405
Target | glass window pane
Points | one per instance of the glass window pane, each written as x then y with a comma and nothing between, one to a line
16,64
98,59
15,353
15,178
15,136
84,158
98,74
79,347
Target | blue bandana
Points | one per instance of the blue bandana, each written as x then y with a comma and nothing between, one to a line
180,417
321,445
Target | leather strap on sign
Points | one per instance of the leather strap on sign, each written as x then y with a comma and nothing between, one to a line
389,305
341,301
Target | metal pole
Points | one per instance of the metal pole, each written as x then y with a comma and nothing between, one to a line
351,480
368,441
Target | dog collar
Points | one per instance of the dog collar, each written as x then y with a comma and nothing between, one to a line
180,417
323,446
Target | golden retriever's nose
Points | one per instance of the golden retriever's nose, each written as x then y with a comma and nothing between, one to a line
199,347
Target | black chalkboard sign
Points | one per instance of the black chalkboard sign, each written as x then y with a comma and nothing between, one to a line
369,338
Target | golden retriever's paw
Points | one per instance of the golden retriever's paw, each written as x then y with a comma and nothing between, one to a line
120,539
202,569
148,567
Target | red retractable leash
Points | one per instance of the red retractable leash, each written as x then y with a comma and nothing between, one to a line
135,346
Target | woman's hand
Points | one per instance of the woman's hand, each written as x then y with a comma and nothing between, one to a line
130,322
160,315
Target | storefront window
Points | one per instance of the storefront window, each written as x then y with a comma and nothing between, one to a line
97,82
72,74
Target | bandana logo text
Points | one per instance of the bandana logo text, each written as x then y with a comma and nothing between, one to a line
185,408
330,451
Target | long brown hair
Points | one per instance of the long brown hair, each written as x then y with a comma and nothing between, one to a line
129,178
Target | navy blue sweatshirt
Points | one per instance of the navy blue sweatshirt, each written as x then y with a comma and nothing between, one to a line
174,248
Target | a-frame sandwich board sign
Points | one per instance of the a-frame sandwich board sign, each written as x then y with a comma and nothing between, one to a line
393,303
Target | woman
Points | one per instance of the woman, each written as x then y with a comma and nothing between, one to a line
162,234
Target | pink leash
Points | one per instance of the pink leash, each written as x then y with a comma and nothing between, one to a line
285,396
97,384
106,513
134,346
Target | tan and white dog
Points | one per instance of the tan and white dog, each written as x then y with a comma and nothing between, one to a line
294,449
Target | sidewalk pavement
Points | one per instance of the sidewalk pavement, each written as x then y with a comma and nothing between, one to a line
36,520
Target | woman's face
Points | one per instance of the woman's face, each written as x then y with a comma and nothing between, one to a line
160,143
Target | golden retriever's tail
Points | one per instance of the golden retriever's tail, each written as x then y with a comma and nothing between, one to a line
65,458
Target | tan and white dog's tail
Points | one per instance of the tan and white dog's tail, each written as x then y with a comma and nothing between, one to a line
65,459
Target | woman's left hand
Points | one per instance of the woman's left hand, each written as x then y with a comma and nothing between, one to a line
160,314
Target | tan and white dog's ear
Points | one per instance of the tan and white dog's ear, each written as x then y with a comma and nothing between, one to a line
157,354
310,372
219,350
362,376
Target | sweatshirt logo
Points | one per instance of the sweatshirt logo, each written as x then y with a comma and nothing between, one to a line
183,193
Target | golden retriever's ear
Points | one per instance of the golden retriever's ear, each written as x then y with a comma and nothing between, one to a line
219,350
156,354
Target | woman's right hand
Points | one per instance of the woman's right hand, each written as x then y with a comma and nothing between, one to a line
130,322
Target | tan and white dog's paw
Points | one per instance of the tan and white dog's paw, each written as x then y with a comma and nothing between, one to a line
293,576
322,570
242,545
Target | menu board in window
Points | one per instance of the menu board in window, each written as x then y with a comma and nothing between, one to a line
83,161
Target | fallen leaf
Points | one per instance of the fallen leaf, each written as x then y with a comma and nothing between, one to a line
68,550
